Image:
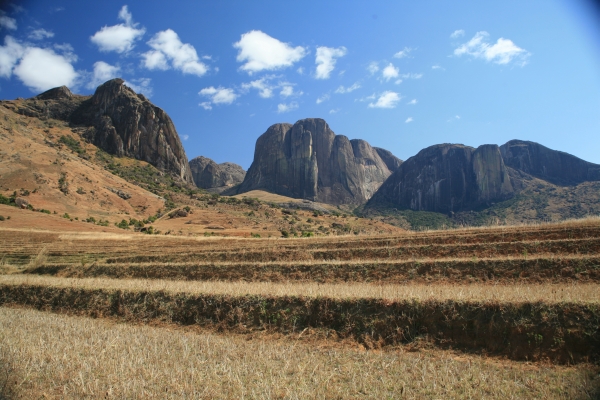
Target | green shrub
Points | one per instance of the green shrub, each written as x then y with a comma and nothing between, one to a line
123,224
45,211
285,234
254,235
66,215
2,218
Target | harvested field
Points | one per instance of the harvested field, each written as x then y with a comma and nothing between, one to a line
561,325
61,358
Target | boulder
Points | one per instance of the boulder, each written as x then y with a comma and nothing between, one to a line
308,160
21,202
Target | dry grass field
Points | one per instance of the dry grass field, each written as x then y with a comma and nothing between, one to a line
495,312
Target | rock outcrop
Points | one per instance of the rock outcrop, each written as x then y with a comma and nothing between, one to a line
119,121
390,160
550,165
208,174
447,178
307,160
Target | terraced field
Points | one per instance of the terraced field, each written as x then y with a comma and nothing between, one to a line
519,294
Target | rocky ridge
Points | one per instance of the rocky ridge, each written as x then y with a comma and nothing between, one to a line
207,174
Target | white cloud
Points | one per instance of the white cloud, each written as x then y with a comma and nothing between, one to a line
184,137
390,72
8,23
334,111
141,85
323,98
403,53
102,73
168,48
282,108
502,52
411,76
326,59
40,34
119,38
457,116
408,120
218,95
261,52
42,69
387,99
348,89
10,53
457,33
206,105
265,89
368,98
373,68
437,67
300,70
287,91
412,102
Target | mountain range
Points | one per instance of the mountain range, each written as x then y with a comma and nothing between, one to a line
445,183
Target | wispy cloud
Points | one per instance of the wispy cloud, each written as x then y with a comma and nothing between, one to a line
408,120
373,67
326,58
39,34
219,95
457,33
102,73
323,98
502,52
438,67
334,111
390,72
412,102
348,89
387,99
403,53
283,107
411,76
8,23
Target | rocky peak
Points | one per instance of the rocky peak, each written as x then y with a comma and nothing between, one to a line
308,160
390,160
58,93
208,174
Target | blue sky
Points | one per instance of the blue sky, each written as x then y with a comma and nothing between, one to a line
401,75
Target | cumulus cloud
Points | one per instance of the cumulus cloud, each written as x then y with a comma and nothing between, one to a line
38,68
141,85
8,23
264,87
390,72
169,52
326,59
412,102
283,108
387,99
457,33
219,95
373,68
121,37
323,98
286,91
408,120
348,89
39,34
403,53
502,52
42,69
261,52
102,73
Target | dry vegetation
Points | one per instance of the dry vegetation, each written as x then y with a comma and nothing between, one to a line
522,293
72,357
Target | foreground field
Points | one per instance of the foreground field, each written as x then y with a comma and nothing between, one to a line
57,356
493,297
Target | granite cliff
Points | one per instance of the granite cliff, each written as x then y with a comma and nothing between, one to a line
308,160
119,121
208,174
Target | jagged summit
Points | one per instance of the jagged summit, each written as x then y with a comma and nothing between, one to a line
57,93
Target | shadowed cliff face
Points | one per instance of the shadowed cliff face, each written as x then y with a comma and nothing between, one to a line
307,160
550,165
447,178
120,122
208,174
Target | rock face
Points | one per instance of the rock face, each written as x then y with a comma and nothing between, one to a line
447,178
390,160
208,174
120,122
550,165
307,160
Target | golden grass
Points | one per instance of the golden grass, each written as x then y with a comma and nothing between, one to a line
516,293
57,356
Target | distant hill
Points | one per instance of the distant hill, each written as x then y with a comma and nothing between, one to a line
208,174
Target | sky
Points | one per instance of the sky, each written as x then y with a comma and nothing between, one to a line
402,75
